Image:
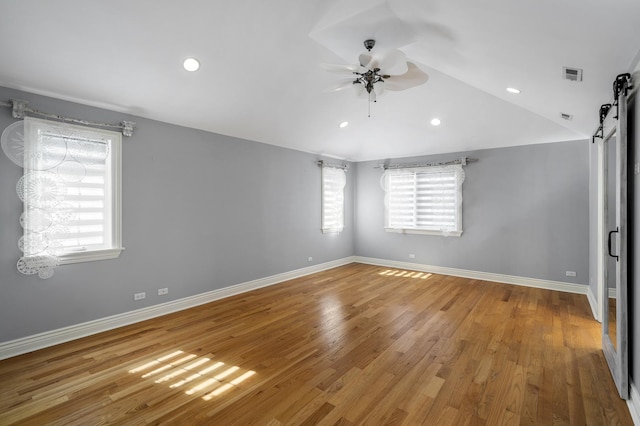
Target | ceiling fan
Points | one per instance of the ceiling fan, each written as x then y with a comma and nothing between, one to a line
378,72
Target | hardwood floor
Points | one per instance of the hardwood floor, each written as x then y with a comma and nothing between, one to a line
353,345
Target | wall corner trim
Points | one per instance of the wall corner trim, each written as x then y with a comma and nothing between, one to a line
593,303
478,275
54,337
634,403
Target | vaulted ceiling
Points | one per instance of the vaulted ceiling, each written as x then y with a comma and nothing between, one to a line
260,76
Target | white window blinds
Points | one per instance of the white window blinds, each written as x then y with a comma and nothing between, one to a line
87,205
333,183
424,200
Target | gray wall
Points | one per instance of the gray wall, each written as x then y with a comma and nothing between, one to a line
201,211
525,213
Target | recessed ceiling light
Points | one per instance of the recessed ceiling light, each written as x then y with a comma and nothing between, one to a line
512,90
191,64
435,122
344,124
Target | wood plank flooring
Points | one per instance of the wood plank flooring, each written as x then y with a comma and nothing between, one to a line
353,345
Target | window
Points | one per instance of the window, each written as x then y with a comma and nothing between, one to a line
424,200
71,192
333,182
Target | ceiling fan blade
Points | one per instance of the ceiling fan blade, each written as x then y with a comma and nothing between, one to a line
413,77
343,69
342,85
391,61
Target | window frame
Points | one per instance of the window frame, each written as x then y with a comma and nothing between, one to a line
459,179
113,174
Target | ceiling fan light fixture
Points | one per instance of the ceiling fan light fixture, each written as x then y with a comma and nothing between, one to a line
379,72
191,64
513,90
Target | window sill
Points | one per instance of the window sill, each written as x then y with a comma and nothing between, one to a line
90,256
425,232
332,230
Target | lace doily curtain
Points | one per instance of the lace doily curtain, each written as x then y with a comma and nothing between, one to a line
57,161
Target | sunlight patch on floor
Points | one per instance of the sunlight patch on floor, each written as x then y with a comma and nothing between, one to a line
405,274
229,385
179,369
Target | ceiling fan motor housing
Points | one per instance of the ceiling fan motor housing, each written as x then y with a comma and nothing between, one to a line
368,44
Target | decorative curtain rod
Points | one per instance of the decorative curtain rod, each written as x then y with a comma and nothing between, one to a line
20,108
463,161
334,165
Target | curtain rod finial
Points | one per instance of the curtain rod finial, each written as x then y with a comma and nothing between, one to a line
127,128
18,108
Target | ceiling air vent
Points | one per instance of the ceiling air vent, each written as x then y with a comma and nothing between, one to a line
566,116
572,74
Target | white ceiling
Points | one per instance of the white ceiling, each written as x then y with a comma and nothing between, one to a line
260,75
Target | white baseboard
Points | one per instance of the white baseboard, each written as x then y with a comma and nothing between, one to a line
612,293
478,275
634,403
593,302
66,334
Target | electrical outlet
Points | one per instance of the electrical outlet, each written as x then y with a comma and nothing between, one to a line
570,273
412,256
310,259
139,296
163,291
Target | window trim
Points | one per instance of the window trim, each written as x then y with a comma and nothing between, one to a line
459,174
115,174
